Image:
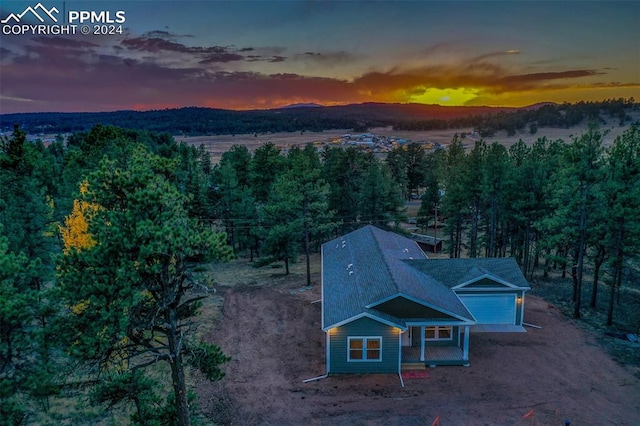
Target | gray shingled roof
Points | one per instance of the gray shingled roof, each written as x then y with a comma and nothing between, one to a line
453,272
370,265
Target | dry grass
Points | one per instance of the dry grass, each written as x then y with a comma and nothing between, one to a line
558,291
241,272
218,144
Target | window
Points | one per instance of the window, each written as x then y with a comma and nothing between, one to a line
364,349
438,333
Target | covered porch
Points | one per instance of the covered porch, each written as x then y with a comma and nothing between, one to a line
435,345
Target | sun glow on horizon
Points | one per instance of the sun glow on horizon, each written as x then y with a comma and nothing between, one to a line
450,96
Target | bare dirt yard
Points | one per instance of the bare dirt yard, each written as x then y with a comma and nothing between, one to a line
270,325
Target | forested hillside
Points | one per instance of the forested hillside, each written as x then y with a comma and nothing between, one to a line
101,236
195,121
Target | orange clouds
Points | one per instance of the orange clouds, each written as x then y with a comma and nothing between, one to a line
157,71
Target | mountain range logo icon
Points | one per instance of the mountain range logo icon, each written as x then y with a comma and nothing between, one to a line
38,11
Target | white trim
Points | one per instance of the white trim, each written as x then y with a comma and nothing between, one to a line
487,290
465,348
400,355
418,323
365,315
416,300
422,343
489,276
408,335
521,296
364,349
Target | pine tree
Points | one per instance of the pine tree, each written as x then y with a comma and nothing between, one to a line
472,193
381,202
573,194
622,188
18,348
27,233
297,211
454,203
430,199
130,295
494,174
266,165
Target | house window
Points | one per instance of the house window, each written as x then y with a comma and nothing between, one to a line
364,349
438,333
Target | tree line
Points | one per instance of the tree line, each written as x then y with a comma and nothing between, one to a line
194,121
276,205
551,205
101,235
530,119
97,285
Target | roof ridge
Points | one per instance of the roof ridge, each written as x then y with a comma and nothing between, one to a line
384,255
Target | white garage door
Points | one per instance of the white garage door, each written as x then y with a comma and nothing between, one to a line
491,309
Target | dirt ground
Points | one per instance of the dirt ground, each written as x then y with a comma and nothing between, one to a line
271,328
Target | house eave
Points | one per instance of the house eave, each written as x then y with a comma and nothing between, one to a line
490,277
365,315
431,322
419,301
491,289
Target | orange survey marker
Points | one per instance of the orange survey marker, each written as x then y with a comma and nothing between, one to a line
529,416
436,422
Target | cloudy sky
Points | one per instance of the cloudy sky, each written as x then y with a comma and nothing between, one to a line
265,54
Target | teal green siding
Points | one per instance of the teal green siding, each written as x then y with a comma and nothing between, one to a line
363,327
519,307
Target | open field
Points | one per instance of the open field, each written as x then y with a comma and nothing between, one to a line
270,326
217,145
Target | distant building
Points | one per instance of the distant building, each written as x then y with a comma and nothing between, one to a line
428,243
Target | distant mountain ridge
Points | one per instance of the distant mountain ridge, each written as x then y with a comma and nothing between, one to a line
302,105
305,116
314,117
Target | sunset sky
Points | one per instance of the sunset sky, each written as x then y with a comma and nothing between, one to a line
266,54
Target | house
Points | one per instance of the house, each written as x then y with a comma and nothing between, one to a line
386,306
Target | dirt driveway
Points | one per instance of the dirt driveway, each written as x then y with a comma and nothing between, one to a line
273,334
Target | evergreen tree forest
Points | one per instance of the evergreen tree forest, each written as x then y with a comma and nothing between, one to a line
101,237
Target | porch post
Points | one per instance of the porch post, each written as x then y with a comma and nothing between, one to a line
465,348
422,343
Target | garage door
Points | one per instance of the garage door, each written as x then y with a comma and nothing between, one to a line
491,309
